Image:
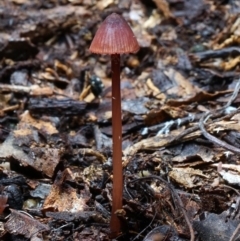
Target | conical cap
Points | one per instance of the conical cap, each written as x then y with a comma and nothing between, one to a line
114,36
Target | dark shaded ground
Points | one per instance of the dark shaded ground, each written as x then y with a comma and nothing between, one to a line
181,130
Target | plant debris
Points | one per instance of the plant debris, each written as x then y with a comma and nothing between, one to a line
180,121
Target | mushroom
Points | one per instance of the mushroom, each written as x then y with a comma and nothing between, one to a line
115,37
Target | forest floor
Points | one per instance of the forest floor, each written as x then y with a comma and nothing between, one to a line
180,115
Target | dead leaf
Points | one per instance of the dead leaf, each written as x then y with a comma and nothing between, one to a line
230,177
194,151
45,126
63,197
186,176
184,87
21,224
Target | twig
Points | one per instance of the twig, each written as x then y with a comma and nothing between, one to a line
145,227
219,53
213,138
178,199
205,117
174,123
216,114
234,95
97,137
156,141
229,187
234,235
33,90
16,88
91,152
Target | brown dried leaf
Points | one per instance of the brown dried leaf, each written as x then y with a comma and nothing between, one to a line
151,143
155,116
196,97
19,223
26,120
228,167
183,86
186,176
42,159
156,142
63,197
194,151
230,35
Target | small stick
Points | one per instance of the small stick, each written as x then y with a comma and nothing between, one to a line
178,199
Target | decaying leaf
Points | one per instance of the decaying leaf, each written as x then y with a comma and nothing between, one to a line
193,151
40,159
230,177
187,176
20,223
55,124
63,197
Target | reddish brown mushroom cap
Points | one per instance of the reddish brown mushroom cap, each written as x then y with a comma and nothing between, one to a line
114,36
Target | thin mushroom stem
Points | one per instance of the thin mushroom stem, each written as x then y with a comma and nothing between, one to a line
115,223
115,37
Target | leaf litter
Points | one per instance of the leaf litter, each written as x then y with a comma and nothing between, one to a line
180,115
